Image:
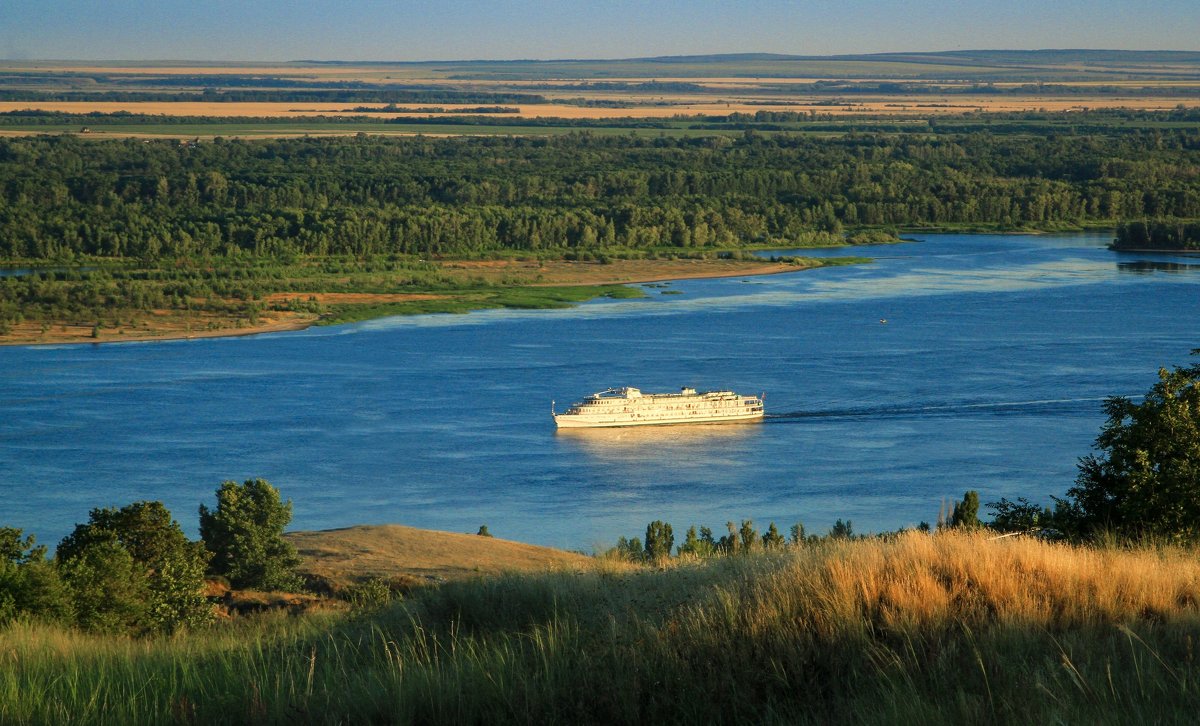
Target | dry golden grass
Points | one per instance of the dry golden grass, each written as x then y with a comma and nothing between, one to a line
353,554
922,629
645,107
917,585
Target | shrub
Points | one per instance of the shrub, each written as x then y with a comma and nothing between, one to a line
133,568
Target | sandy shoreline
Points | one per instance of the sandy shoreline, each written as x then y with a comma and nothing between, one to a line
30,334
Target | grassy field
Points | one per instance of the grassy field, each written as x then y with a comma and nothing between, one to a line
913,629
343,557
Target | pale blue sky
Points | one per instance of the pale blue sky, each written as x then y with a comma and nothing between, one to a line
464,29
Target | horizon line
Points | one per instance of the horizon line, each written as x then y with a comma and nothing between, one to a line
746,55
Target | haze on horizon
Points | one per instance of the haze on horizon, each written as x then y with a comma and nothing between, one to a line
277,30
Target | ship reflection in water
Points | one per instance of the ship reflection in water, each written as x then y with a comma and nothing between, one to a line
672,443
1145,267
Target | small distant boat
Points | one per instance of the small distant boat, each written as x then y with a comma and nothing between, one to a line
630,407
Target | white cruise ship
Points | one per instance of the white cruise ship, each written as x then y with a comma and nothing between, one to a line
631,407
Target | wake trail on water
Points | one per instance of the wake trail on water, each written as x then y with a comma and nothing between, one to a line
949,410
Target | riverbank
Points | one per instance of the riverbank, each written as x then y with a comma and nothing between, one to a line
497,281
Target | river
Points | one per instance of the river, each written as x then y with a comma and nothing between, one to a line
951,363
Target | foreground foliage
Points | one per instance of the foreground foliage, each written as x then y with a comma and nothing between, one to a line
133,569
1145,482
920,628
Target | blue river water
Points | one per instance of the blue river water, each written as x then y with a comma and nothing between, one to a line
951,363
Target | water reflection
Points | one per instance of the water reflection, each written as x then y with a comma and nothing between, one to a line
673,443
1145,267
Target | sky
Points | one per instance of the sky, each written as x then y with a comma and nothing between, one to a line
408,30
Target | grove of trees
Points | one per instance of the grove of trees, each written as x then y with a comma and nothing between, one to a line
133,570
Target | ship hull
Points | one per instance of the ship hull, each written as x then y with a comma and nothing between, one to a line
617,408
578,422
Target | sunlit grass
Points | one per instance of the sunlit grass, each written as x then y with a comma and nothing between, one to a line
945,628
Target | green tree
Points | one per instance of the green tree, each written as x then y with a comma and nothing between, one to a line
797,534
30,585
1146,480
772,540
111,592
966,512
659,540
748,536
728,544
1019,516
245,535
842,530
701,545
628,549
134,568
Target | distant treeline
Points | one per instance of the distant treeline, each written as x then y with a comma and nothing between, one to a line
1158,235
69,195
26,118
387,94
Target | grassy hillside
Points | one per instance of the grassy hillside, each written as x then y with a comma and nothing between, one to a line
930,629
391,551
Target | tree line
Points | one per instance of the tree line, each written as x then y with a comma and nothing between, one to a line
63,196
311,93
1161,234
132,570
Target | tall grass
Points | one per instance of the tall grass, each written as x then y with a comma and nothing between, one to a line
947,628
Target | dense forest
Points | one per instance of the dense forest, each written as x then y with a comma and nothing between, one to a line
66,196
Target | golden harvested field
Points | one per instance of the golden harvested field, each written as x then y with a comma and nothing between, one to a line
916,85
923,105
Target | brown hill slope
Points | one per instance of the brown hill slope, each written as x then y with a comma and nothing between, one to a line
392,551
